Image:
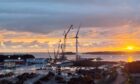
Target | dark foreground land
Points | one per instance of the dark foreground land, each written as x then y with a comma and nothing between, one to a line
133,72
86,72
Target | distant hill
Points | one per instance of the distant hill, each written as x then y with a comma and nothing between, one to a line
69,53
113,52
105,52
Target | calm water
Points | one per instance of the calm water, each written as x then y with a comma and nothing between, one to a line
130,57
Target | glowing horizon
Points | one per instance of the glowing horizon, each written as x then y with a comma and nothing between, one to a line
12,41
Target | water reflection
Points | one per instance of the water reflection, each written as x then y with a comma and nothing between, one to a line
130,59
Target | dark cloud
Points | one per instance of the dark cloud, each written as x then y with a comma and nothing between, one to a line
43,16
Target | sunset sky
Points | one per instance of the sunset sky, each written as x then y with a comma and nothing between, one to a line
37,25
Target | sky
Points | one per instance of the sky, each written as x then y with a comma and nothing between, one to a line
38,25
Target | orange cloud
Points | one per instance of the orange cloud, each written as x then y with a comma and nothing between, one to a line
90,39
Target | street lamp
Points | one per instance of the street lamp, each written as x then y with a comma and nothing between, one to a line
9,56
19,58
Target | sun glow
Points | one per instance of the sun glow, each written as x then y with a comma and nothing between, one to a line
130,48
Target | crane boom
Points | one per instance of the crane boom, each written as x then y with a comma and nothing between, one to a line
71,26
78,30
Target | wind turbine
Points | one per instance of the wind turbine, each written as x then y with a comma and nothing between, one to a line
65,40
77,43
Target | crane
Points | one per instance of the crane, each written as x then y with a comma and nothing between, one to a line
55,56
77,43
50,58
58,48
65,40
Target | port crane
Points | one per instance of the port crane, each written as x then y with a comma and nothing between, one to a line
58,48
63,47
77,43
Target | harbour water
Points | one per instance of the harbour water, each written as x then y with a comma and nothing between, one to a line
105,57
